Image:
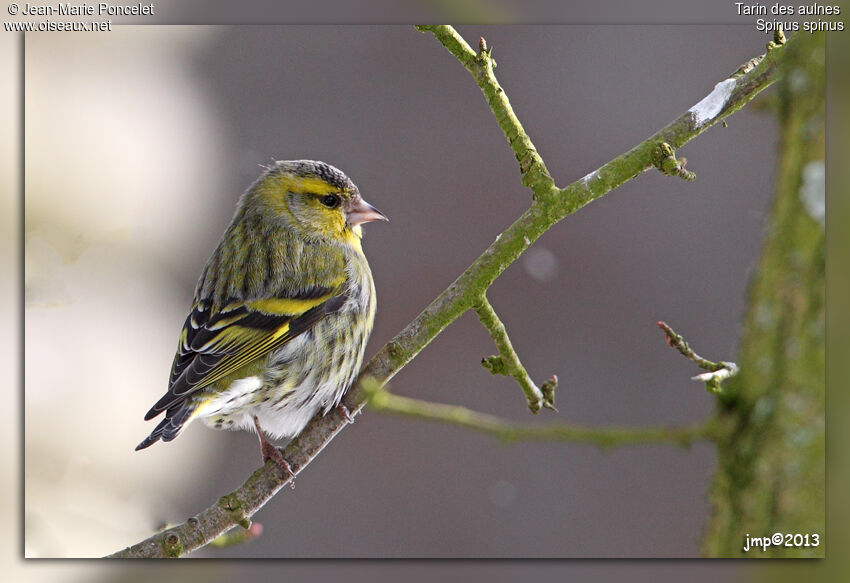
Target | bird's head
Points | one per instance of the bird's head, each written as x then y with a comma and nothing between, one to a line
315,199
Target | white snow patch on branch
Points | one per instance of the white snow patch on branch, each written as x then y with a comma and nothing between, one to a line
813,190
729,369
713,103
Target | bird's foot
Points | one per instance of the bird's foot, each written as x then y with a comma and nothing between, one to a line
270,452
345,413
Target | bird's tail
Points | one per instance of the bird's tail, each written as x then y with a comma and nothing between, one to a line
171,426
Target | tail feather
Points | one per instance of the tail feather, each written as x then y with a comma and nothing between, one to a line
170,427
177,422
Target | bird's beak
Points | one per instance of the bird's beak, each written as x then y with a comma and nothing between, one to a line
362,212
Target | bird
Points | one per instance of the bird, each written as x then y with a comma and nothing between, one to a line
281,313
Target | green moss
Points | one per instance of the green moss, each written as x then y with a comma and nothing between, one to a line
232,504
495,364
172,545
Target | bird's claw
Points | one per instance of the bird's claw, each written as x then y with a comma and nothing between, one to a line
345,413
270,452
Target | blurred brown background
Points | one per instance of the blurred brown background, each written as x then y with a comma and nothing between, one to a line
138,144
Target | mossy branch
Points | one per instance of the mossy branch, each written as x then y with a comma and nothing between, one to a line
508,363
771,443
550,205
506,431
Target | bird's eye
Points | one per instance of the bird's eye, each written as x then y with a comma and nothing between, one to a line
330,201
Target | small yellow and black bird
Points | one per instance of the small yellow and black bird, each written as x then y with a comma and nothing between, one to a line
282,311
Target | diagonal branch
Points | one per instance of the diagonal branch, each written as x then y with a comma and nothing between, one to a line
547,209
509,432
508,363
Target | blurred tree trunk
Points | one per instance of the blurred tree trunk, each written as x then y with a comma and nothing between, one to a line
770,475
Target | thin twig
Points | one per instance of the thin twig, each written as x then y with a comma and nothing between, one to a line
509,432
717,371
508,363
548,208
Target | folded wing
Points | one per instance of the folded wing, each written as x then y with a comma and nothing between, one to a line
217,341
